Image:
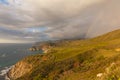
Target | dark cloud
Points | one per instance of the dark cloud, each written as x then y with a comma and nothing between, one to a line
62,19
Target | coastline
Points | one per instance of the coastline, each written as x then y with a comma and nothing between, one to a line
5,71
7,77
7,74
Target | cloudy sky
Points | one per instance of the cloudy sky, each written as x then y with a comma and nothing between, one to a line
39,20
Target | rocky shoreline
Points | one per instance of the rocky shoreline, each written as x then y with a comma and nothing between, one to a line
5,73
7,77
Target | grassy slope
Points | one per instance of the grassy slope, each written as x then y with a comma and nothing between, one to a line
79,60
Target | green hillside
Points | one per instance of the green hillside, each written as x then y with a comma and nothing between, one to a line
109,36
93,59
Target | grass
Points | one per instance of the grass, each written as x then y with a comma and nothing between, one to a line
78,60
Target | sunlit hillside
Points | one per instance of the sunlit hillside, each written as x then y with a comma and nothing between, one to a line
93,59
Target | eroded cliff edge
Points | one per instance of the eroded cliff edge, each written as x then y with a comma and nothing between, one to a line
19,69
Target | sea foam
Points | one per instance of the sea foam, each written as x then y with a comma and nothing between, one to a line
5,71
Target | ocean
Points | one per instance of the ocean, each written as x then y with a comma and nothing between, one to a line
10,54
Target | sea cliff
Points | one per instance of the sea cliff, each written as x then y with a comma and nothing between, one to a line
92,59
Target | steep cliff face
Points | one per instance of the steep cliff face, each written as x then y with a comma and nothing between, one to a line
19,69
45,47
25,66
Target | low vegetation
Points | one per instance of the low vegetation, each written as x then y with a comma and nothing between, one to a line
93,59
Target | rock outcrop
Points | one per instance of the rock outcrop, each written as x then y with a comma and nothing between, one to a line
45,47
19,69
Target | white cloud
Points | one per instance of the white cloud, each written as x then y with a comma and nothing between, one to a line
62,18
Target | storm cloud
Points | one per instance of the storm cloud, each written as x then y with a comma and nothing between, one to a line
39,20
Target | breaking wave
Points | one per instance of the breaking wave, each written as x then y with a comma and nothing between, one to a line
5,71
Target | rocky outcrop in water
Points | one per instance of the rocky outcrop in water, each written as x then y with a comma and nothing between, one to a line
45,46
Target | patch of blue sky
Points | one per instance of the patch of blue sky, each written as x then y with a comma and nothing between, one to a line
36,29
4,2
42,29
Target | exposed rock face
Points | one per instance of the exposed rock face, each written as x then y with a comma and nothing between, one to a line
20,69
45,47
117,49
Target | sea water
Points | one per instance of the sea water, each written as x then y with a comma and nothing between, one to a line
10,54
